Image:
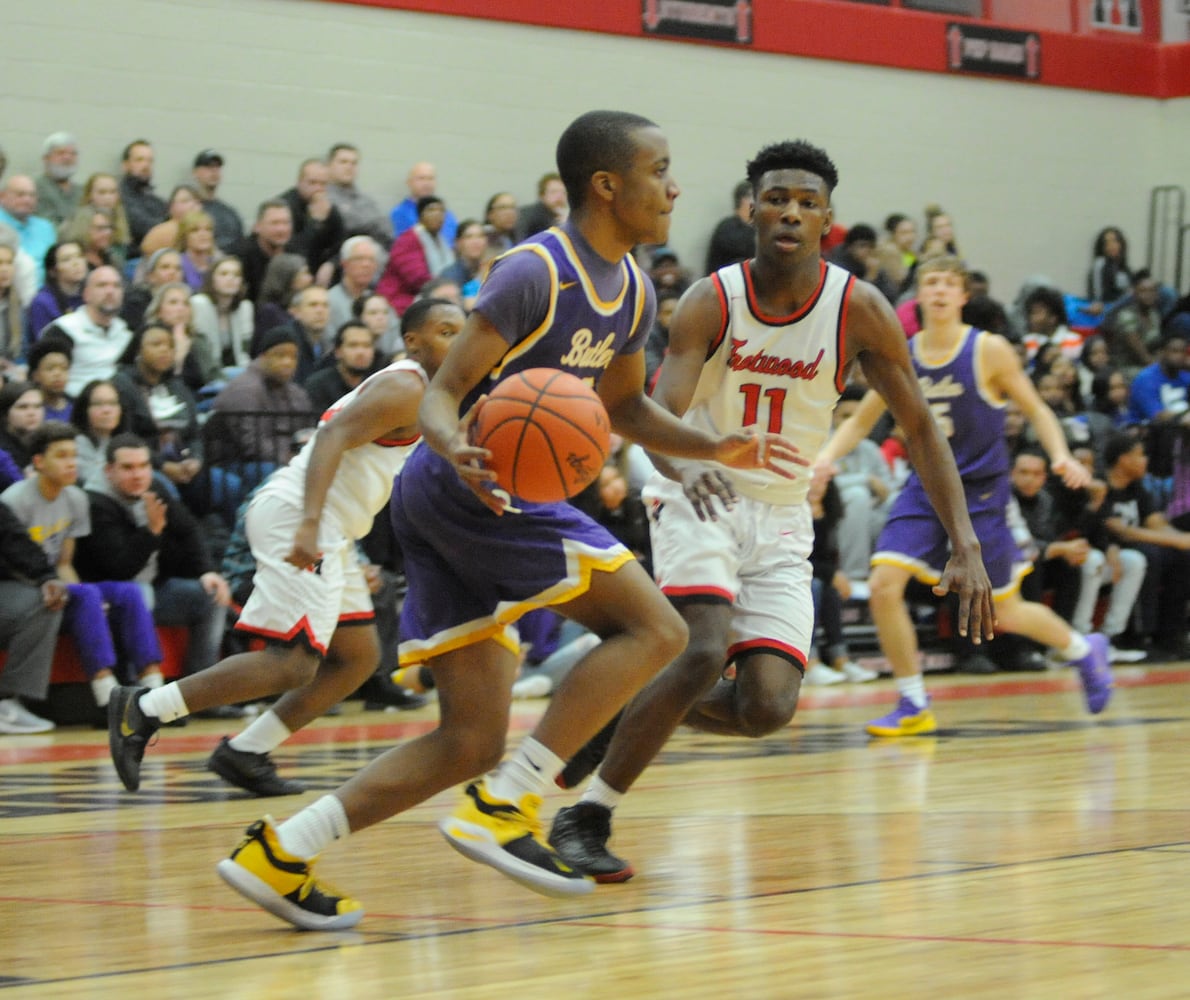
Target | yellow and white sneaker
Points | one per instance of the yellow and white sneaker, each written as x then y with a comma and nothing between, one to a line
508,837
285,885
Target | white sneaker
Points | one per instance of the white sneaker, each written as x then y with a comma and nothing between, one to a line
16,719
533,686
1125,655
857,674
820,674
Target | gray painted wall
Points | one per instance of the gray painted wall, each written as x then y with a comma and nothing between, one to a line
1028,173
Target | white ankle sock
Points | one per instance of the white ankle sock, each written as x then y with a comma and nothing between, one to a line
264,735
102,688
164,703
601,793
1078,648
531,770
314,829
913,688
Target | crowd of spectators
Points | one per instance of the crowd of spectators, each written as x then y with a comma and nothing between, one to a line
216,341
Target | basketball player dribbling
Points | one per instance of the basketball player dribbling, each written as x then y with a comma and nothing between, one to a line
767,342
968,375
573,299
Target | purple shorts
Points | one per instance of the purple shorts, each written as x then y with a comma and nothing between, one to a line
471,573
914,539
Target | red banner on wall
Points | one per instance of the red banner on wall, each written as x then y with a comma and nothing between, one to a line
874,34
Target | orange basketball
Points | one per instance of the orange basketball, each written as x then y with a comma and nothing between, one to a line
548,433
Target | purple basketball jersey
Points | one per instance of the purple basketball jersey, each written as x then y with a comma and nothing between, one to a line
471,573
562,306
973,423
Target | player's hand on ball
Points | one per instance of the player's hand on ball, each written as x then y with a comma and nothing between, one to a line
703,486
469,461
749,449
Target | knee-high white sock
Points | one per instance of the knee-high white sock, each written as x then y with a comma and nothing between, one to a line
164,703
264,735
314,829
529,771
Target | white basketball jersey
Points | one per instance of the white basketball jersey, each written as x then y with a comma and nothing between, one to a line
364,480
778,373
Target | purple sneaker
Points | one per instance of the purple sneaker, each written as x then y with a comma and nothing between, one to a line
1095,673
904,720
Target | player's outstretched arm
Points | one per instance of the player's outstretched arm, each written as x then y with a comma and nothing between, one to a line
1007,376
876,338
389,402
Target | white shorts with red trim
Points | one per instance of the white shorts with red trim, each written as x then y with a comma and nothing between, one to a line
756,556
288,604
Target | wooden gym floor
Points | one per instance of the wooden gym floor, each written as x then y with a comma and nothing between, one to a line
1025,851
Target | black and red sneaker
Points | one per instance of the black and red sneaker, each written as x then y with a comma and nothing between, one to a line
580,834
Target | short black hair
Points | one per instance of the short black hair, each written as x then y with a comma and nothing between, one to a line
351,324
794,154
132,351
50,433
125,439
52,343
985,313
1118,445
852,393
414,318
860,232
1032,451
740,192
1051,299
425,201
597,140
894,220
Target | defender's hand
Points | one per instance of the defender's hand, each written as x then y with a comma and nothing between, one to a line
965,575
749,449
